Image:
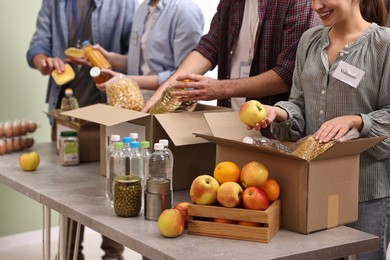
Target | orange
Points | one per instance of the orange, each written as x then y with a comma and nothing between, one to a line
248,223
227,171
224,220
271,187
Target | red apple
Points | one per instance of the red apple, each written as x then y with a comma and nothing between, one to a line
170,223
255,198
183,208
229,194
203,190
253,174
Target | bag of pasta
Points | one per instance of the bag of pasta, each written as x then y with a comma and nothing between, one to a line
125,93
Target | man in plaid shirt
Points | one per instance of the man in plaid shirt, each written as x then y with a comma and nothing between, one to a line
253,43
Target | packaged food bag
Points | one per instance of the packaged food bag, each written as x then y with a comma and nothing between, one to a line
125,93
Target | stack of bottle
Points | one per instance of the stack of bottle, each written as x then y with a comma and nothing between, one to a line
136,178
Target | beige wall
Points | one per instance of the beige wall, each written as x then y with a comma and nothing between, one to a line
22,95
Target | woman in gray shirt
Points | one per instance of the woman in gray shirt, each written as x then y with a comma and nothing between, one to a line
342,81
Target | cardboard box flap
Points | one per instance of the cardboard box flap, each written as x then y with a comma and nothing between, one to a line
247,147
103,114
355,146
182,133
228,125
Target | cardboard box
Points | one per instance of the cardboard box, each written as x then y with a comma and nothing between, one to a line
268,221
315,195
192,156
88,134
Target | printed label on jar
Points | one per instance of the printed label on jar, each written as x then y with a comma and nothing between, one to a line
71,152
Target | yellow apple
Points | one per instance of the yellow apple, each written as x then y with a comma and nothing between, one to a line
170,223
203,190
253,174
229,194
29,161
252,112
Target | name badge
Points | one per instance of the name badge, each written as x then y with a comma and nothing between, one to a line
348,74
245,69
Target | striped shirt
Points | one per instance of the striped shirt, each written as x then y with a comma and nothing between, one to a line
316,96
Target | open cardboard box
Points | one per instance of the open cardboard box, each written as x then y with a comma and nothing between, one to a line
88,135
192,156
315,195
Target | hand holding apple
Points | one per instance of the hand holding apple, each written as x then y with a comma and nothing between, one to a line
252,112
170,223
29,161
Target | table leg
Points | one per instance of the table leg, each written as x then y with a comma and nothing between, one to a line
62,235
76,248
46,232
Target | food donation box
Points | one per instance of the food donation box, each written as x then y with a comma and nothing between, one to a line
316,194
192,156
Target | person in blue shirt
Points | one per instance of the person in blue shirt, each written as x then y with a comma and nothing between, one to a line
162,34
66,23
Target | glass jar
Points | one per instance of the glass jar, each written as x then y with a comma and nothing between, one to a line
127,196
69,148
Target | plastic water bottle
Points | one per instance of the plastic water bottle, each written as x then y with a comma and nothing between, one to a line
166,149
117,168
158,191
109,150
127,150
145,155
135,159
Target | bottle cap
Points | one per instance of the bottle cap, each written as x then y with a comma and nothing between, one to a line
68,92
134,136
165,142
86,42
118,145
94,72
145,144
126,139
134,144
115,138
158,146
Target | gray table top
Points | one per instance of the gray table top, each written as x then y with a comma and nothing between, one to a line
77,192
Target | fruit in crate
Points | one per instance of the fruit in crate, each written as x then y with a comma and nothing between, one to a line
272,188
229,194
252,112
182,207
170,223
224,221
203,190
29,161
255,198
253,174
248,223
227,171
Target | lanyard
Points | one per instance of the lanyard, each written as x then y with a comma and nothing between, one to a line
79,31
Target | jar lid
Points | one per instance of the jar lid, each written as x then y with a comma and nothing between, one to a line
127,179
94,72
68,133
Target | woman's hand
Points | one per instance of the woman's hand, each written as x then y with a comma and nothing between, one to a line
115,76
337,127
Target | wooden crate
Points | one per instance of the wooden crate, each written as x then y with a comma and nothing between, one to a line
200,222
